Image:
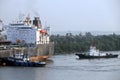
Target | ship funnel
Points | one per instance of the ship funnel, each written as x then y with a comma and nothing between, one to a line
37,22
95,44
28,21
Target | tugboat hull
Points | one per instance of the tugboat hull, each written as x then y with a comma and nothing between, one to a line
83,56
9,61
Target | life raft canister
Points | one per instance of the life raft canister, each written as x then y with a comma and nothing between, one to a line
43,31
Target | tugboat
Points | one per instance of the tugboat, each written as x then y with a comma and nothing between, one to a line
95,53
21,60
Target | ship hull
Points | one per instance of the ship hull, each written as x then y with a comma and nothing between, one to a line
83,56
9,61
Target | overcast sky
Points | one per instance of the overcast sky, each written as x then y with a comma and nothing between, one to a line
66,15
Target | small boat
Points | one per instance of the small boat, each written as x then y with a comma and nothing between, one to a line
21,60
95,53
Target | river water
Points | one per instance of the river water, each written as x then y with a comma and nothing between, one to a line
66,67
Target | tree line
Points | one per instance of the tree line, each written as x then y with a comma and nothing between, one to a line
80,43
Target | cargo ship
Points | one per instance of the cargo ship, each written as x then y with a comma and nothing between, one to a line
28,37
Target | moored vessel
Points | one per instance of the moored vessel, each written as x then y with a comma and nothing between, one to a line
21,60
29,37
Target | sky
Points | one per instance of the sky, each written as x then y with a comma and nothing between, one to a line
66,15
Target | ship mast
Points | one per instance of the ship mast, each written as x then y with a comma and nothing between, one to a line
21,17
95,44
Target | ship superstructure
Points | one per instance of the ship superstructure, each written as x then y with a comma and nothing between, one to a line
30,32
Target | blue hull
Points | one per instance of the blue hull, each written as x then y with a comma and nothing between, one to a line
9,61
